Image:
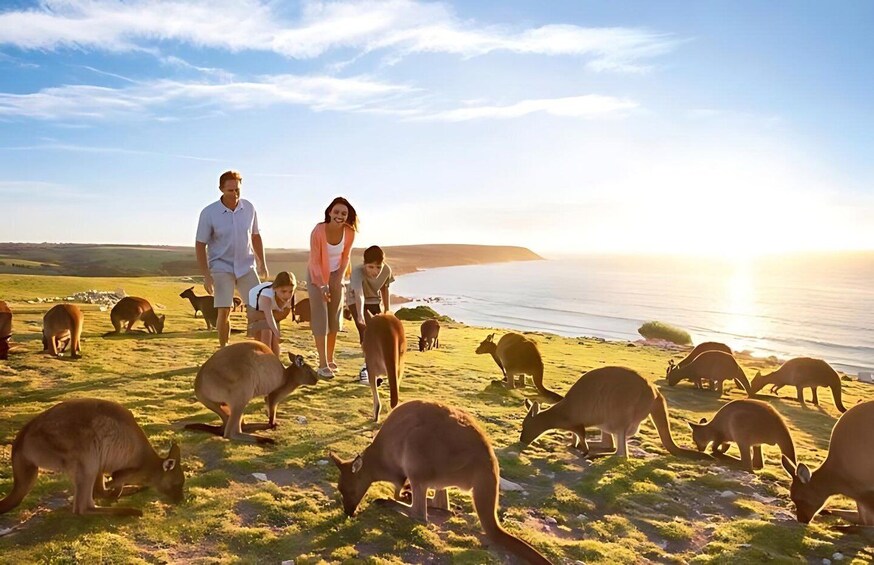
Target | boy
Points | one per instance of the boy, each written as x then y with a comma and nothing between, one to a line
369,286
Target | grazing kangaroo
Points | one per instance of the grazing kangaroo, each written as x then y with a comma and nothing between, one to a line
234,375
130,309
698,350
204,304
302,311
613,399
5,330
848,470
428,335
802,372
384,346
63,321
748,423
715,366
88,438
517,355
432,446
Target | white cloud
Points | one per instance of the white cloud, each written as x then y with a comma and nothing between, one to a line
587,106
398,26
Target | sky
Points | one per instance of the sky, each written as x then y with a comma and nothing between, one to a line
725,128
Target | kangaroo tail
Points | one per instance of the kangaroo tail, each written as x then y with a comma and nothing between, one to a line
538,383
836,393
485,501
208,428
24,475
659,415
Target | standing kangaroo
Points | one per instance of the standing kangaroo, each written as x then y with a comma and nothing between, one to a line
428,335
698,350
613,399
848,470
384,347
5,330
130,309
517,355
802,372
63,321
204,304
715,366
432,446
88,438
748,423
234,375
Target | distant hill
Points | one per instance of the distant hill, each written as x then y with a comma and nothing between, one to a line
75,259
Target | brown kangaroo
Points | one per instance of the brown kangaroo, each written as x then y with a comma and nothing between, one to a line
715,366
5,330
802,372
130,309
428,335
432,446
613,399
517,355
204,304
384,347
302,311
848,470
61,322
237,373
698,350
748,423
88,438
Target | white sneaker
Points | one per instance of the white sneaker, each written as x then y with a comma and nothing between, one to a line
363,377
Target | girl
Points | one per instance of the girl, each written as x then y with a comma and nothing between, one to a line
330,247
269,303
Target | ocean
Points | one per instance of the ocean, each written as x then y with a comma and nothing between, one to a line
818,306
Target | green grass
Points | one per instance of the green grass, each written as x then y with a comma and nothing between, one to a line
652,507
667,332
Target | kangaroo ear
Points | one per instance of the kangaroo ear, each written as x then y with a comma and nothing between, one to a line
789,465
162,317
528,404
175,452
337,461
298,361
702,421
357,464
169,464
758,374
803,473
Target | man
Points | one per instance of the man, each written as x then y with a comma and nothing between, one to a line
229,250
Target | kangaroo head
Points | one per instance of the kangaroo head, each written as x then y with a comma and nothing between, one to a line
422,343
671,367
159,323
758,382
300,371
171,478
187,292
807,501
529,434
701,434
4,347
487,345
673,376
351,485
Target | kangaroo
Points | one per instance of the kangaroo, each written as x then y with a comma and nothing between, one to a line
517,355
802,372
698,350
428,335
848,470
432,446
237,373
302,311
62,321
715,366
613,399
384,346
748,423
238,303
88,438
5,330
130,309
204,304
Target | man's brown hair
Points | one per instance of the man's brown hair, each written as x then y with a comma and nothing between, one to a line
229,175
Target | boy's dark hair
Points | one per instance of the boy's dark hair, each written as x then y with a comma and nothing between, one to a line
374,254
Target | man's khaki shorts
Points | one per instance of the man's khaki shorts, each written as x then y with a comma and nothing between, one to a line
224,287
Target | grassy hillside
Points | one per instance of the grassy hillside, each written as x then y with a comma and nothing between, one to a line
142,260
651,507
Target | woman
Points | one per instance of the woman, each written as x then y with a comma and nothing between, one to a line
330,248
269,303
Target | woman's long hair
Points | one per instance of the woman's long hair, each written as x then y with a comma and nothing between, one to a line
351,219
